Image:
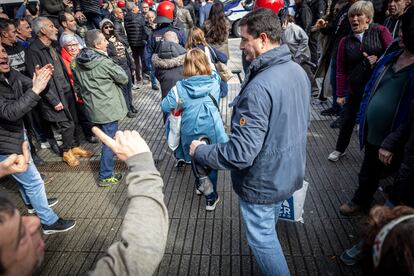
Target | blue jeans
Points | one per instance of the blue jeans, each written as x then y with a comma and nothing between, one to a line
213,178
260,224
107,164
151,71
32,189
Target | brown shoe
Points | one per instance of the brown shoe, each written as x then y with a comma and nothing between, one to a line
349,209
70,158
79,152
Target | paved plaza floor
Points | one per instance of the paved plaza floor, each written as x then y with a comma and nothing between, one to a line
200,243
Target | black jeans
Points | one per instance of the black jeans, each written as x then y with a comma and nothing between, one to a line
127,91
84,121
68,128
313,47
70,100
138,54
372,170
350,110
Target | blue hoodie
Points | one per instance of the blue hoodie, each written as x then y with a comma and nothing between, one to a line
200,116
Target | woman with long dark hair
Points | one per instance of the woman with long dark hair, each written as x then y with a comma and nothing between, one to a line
216,28
196,39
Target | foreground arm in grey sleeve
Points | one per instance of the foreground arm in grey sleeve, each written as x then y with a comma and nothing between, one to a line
145,227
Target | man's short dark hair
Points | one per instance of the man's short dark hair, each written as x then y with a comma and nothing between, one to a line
19,21
92,38
263,21
4,24
7,208
62,17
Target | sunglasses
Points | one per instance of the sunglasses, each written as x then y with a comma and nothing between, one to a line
108,27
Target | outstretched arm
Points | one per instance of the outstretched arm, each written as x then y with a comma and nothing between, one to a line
145,226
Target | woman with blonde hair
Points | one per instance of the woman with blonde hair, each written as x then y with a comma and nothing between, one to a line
198,94
196,39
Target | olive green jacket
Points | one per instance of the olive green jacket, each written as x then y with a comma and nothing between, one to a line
98,80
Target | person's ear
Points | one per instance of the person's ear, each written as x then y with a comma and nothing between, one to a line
42,31
264,39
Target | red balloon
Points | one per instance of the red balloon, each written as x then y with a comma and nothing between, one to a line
121,4
274,5
149,2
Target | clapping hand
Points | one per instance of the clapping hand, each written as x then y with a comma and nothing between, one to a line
41,77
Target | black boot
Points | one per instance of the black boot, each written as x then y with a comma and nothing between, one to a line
37,160
55,148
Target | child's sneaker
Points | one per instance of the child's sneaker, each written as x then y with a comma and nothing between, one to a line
211,204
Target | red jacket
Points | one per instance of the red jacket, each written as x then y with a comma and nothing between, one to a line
67,59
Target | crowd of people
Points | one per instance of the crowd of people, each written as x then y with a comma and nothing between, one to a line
68,70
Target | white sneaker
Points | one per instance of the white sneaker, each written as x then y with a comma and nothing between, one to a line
198,192
44,145
211,205
335,155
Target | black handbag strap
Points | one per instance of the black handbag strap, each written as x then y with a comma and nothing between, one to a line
214,101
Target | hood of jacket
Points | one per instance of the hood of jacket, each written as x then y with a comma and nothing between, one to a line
89,58
272,57
168,49
200,86
167,63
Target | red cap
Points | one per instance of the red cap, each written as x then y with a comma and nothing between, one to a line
165,12
274,5
121,4
149,2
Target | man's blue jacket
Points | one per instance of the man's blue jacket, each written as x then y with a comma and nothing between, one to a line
267,148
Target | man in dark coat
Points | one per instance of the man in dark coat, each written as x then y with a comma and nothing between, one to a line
266,152
16,53
118,21
303,15
88,9
58,103
134,24
52,8
168,62
18,95
165,21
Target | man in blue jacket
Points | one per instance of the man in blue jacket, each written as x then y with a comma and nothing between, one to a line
267,148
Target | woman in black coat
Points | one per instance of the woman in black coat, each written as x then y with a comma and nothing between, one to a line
117,50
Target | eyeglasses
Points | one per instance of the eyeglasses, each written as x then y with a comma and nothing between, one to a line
108,27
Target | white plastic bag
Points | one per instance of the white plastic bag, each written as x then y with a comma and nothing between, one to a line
173,139
292,208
